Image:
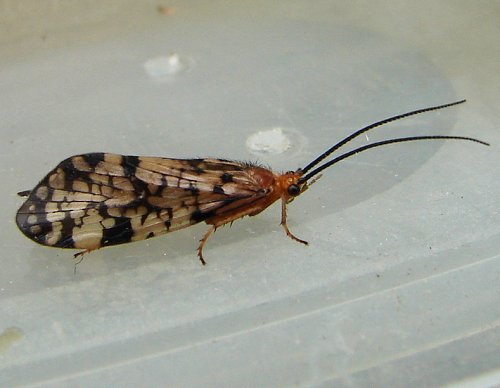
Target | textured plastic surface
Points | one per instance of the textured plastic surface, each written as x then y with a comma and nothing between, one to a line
401,281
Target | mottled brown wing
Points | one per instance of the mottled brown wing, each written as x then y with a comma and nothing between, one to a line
99,199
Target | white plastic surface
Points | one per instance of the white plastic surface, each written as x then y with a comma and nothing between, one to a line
400,284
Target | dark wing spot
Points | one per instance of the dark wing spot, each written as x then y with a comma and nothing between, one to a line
24,193
194,190
140,187
198,215
226,177
218,189
93,159
70,172
150,234
66,241
130,164
120,233
168,224
195,163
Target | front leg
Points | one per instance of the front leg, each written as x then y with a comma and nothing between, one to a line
285,226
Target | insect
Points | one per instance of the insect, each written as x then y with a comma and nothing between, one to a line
95,200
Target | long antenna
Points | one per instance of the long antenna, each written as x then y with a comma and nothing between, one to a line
317,170
371,126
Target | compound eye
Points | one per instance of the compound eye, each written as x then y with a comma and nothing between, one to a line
293,190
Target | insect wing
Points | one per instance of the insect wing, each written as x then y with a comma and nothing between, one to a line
99,199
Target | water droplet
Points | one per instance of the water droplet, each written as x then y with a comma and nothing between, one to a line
272,141
162,68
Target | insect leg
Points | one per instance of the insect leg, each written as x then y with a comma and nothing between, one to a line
285,226
203,241
79,260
